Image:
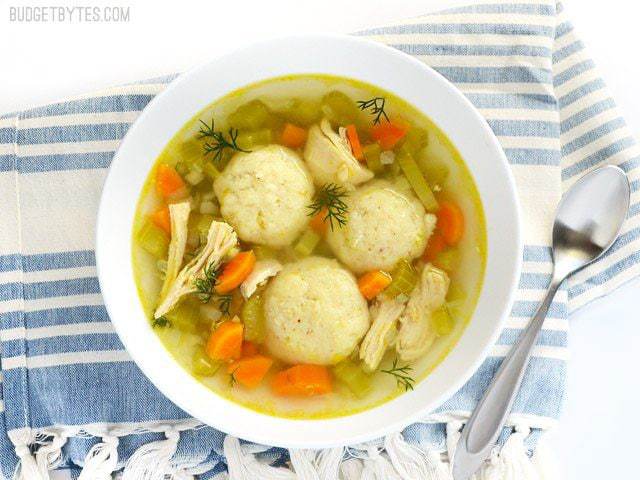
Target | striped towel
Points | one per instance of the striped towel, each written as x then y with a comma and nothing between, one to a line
74,401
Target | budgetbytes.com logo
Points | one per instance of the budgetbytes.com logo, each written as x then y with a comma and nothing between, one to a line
63,14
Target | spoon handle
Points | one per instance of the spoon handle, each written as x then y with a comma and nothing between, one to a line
481,431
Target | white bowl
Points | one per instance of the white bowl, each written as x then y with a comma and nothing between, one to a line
327,54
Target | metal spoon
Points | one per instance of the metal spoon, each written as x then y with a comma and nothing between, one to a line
587,223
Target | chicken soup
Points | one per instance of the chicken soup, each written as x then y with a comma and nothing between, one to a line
309,246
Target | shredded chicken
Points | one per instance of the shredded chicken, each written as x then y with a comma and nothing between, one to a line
179,215
263,270
220,239
416,334
329,157
382,332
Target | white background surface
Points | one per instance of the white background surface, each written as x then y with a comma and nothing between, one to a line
597,438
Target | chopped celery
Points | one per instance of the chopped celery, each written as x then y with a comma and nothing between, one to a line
339,108
301,112
353,377
416,139
372,156
448,259
251,116
211,170
306,243
403,280
153,240
252,316
182,168
434,171
202,365
442,321
249,140
262,252
416,179
185,317
191,151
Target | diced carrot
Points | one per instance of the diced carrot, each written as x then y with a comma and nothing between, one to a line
249,349
169,183
434,247
235,272
387,134
450,222
318,223
293,136
162,219
302,381
372,283
225,343
250,371
354,140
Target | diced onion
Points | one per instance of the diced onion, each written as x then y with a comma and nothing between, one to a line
387,157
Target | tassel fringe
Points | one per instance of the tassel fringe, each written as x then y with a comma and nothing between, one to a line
391,458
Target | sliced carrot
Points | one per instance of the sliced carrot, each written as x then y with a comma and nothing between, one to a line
225,343
162,219
302,381
169,183
235,272
293,136
387,134
372,283
318,223
354,140
249,349
450,222
250,371
436,244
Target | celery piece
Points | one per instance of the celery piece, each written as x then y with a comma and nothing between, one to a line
153,240
202,365
416,179
302,112
372,157
434,171
306,243
185,317
182,168
448,259
191,151
416,139
353,377
252,139
262,252
251,116
339,108
442,321
252,316
403,280
211,170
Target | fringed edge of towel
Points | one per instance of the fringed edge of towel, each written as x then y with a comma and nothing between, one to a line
389,458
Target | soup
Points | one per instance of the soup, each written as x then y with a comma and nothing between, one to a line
309,246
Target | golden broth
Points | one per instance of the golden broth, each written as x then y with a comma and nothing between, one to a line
467,276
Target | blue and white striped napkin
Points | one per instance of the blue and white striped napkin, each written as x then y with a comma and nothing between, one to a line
74,401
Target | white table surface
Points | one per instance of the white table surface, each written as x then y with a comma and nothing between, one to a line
42,62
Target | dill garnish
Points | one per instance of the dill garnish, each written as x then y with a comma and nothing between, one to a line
204,286
217,142
401,374
224,304
161,322
232,377
331,197
375,106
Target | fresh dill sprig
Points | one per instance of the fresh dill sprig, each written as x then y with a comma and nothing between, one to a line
216,141
204,285
402,375
375,107
224,304
331,197
232,377
161,322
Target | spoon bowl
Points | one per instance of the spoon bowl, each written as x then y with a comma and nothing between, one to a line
589,219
